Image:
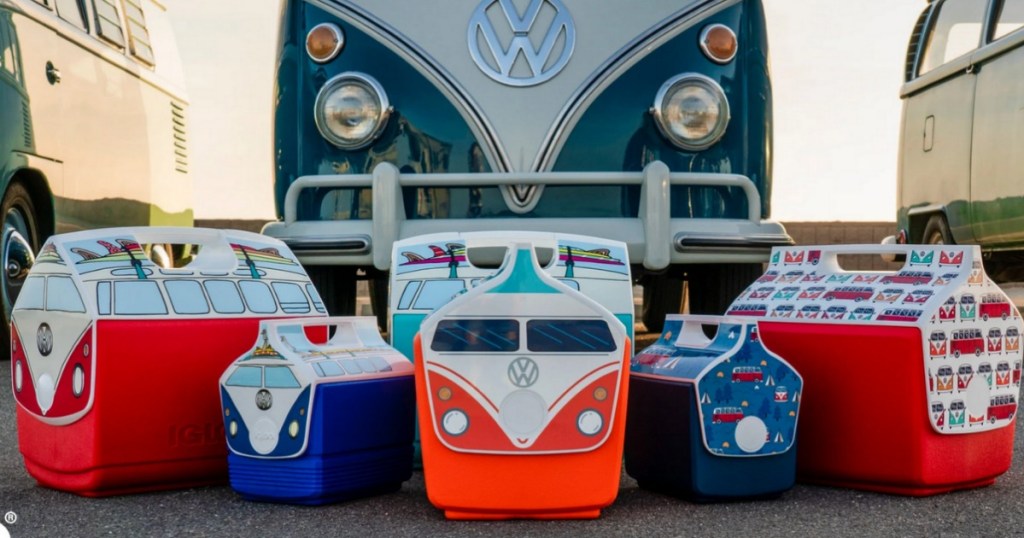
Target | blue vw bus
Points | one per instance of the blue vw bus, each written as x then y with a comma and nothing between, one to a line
643,122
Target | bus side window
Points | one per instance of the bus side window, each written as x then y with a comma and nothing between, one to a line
224,296
258,297
407,295
1010,19
72,11
108,22
103,298
437,293
317,303
187,297
10,56
32,294
290,295
138,33
571,283
62,295
956,31
138,297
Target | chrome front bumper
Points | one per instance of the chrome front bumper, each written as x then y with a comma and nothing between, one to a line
654,239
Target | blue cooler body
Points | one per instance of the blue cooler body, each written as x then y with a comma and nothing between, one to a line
712,419
344,426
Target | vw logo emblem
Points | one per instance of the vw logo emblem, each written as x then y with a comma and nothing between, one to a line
523,372
501,45
264,400
44,339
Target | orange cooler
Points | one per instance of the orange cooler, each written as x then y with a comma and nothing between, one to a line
912,377
521,390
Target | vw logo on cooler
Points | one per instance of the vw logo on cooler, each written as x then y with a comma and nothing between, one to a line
497,55
44,339
264,400
523,372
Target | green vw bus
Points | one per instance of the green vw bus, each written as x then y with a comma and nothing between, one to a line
93,129
961,171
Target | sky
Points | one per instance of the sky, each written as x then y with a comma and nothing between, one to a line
836,72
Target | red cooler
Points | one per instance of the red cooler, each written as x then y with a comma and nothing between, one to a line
115,359
909,374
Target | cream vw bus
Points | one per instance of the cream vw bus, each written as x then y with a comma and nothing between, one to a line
93,130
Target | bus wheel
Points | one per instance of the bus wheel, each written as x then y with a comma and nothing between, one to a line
337,287
936,232
20,236
663,295
713,287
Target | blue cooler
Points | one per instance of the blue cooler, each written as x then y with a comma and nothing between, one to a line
311,423
712,419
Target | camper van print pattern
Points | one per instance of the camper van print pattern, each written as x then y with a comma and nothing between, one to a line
970,329
748,398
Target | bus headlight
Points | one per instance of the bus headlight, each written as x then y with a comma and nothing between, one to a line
351,110
19,378
233,428
691,111
293,429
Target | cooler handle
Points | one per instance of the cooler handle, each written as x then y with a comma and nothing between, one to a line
830,253
349,331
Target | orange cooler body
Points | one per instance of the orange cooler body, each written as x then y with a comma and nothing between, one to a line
862,417
528,485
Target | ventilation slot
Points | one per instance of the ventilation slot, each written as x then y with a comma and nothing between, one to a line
180,138
26,117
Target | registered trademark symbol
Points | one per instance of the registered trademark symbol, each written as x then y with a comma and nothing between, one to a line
10,518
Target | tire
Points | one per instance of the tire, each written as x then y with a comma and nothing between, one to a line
663,295
337,287
713,287
20,240
936,232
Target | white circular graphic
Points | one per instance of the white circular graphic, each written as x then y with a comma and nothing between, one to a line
751,434
263,435
976,397
589,422
78,380
45,389
455,422
523,412
4,533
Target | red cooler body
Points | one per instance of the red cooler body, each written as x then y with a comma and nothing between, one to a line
909,385
115,360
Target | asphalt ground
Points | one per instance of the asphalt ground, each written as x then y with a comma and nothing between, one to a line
997,510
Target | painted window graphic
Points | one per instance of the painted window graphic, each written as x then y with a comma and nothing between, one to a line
567,336
477,335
